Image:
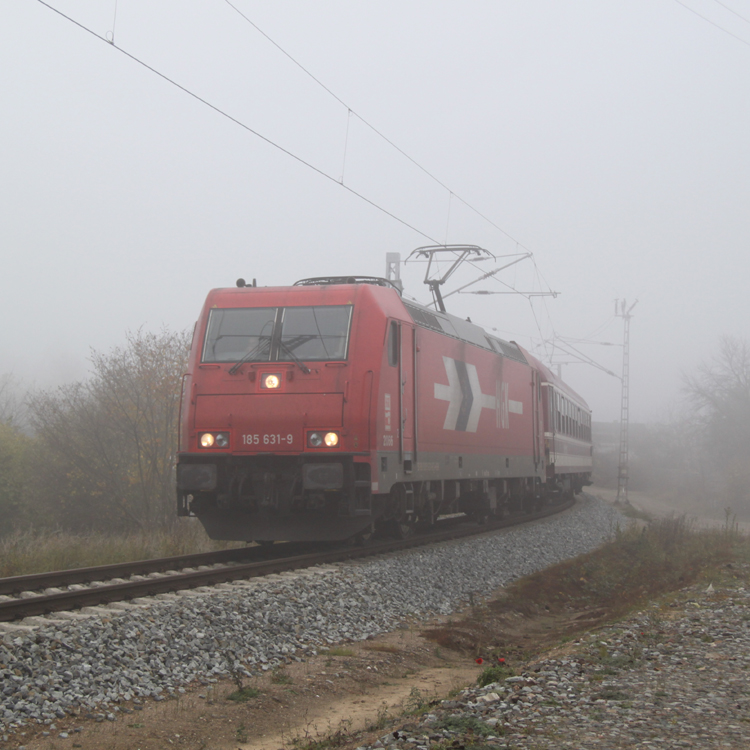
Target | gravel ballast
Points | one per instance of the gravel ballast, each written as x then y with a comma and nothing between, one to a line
154,649
671,676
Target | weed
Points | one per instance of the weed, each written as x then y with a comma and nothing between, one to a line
337,651
235,668
333,738
654,621
280,677
241,733
613,664
382,720
243,694
416,702
494,674
466,725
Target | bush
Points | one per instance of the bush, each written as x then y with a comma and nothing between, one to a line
109,443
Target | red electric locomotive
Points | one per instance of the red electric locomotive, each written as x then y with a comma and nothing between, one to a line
326,409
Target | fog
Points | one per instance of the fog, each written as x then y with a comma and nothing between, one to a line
610,139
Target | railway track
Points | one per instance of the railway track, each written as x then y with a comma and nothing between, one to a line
106,584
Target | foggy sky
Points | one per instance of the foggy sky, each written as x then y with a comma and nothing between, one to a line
609,137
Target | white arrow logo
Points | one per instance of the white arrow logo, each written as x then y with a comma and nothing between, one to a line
464,396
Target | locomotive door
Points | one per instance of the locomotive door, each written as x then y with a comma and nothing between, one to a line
537,418
407,396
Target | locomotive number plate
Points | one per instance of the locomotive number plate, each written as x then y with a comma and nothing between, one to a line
268,439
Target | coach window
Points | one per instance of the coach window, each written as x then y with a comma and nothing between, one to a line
393,343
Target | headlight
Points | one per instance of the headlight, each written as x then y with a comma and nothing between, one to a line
320,439
315,440
270,380
214,440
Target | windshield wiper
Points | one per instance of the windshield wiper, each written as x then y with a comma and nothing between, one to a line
257,350
295,358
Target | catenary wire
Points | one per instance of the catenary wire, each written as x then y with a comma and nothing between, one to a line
373,128
240,123
713,23
319,171
732,10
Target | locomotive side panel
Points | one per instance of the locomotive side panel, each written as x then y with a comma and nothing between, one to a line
476,405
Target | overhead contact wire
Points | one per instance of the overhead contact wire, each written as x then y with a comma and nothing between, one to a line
713,23
373,128
240,123
732,10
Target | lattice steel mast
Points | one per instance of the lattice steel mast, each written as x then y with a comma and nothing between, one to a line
622,469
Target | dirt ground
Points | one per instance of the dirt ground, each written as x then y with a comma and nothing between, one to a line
661,504
351,688
355,692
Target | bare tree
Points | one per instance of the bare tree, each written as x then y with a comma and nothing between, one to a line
114,437
12,406
720,394
16,453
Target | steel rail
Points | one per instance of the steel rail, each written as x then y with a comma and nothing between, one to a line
34,581
107,594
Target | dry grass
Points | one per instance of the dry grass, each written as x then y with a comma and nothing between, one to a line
640,564
385,648
30,552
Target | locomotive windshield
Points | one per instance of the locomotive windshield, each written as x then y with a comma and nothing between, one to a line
314,333
263,334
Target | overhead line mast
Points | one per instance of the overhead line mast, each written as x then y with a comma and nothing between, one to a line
622,468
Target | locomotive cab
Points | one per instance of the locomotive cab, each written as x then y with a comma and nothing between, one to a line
275,426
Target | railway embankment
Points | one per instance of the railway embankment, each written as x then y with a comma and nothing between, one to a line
112,662
641,642
647,646
673,675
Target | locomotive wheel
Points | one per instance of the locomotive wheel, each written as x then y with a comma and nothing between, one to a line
401,528
401,524
363,538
